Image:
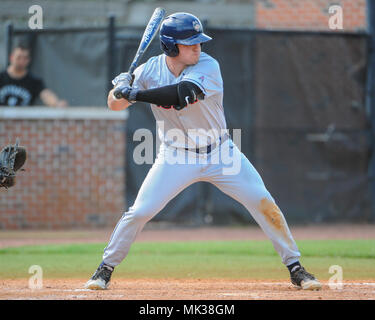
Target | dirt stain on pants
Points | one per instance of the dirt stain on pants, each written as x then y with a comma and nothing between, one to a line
275,218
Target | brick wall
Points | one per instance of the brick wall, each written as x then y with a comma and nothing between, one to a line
75,171
308,14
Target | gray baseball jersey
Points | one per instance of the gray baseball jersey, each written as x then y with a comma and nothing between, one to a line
201,123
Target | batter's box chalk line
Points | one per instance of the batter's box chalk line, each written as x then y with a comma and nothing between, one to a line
365,284
236,294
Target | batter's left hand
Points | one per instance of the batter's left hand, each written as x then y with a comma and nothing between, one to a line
126,92
124,78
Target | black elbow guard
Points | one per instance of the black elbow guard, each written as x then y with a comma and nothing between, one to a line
188,93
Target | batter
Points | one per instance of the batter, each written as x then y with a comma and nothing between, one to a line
185,89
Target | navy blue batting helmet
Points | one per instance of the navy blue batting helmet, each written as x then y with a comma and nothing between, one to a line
180,28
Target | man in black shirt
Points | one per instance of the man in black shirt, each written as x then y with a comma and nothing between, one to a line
18,87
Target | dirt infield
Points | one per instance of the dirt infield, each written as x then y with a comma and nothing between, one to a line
151,289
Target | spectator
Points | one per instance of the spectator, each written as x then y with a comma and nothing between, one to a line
18,87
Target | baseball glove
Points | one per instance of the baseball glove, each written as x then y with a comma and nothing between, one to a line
12,158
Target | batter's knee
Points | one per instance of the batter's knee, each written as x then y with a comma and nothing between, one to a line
141,214
254,196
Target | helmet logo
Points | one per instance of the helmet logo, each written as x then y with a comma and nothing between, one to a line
197,26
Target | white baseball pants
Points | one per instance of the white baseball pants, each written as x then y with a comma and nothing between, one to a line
226,168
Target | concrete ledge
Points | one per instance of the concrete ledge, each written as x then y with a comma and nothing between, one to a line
91,113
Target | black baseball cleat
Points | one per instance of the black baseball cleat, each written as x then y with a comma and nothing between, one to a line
304,280
101,278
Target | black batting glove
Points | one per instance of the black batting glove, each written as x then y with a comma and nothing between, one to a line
125,92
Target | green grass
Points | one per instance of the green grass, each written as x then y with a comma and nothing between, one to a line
211,259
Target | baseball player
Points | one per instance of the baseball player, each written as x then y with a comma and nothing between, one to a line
185,89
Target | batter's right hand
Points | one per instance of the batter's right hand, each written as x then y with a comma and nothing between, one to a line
125,92
125,79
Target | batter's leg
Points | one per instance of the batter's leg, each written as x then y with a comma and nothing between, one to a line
163,182
248,188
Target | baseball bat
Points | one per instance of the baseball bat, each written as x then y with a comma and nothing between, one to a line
148,35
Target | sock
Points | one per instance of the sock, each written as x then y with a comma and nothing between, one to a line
107,266
293,266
